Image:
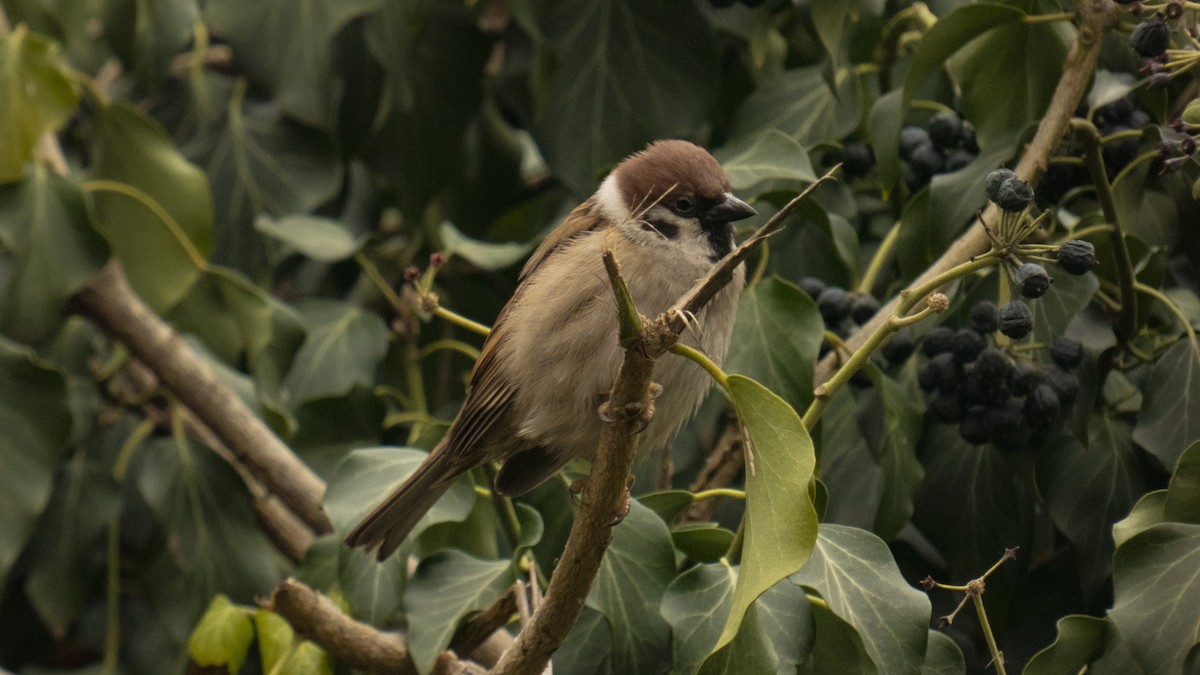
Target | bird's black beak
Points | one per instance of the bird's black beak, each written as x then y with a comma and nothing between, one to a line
728,210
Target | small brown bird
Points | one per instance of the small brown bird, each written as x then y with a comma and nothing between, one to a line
552,355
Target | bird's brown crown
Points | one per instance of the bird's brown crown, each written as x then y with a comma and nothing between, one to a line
682,168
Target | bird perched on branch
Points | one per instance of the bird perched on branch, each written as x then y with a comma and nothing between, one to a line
547,367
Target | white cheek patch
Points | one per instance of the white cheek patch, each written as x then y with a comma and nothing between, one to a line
608,196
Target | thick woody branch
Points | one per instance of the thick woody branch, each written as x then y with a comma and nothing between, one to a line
1097,17
315,617
108,301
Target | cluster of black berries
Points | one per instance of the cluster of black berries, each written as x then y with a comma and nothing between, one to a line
946,145
857,159
842,310
1117,117
969,382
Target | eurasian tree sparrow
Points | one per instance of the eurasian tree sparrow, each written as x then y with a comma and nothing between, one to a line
552,355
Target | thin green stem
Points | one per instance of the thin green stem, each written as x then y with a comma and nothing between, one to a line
416,389
461,321
381,284
881,257
706,363
506,513
1175,311
734,555
1127,320
763,256
718,492
112,580
1048,18
452,345
154,207
997,656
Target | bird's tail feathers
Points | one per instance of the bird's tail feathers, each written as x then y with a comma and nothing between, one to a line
390,522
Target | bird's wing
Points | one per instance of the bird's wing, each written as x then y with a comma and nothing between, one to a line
582,219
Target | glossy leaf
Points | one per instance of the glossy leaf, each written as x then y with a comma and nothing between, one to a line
633,576
588,647
749,652
893,437
1170,419
36,95
629,71
447,587
949,35
1080,641
343,348
785,616
1156,592
484,255
152,205
223,636
847,464
1068,295
702,542
799,103
44,223
36,420
776,337
768,156
695,605
1183,495
854,572
942,656
840,648
780,522
318,238
1146,513
275,644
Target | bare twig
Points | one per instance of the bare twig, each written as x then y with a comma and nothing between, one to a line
1097,17
108,301
476,631
723,465
315,617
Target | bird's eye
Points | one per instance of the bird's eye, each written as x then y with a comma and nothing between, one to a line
683,205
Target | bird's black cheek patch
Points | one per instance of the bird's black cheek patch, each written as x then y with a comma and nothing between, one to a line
720,240
666,229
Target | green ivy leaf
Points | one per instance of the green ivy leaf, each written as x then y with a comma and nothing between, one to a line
799,103
152,205
749,652
942,656
702,542
36,420
1080,641
36,95
854,572
1146,513
318,238
1068,295
634,575
848,465
695,605
447,587
275,643
771,155
949,35
344,346
667,504
286,48
1170,417
884,122
786,617
588,647
1156,591
625,72
482,254
776,338
222,637
893,438
840,648
1183,495
780,522
44,223
1086,490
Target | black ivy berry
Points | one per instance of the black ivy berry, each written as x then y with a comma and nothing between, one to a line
1024,378
958,159
983,317
1064,384
945,130
1066,352
1015,319
1013,195
899,347
1150,38
946,407
969,142
912,138
813,286
993,364
857,159
834,304
972,427
1077,256
994,180
863,308
1032,280
938,341
927,161
1042,406
967,345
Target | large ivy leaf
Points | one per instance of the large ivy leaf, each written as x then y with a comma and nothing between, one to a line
1086,490
847,464
834,21
1183,495
216,545
780,521
44,223
222,637
942,656
1068,295
854,572
800,104
840,648
1080,641
343,348
786,617
286,47
624,72
1170,417
447,587
36,419
1008,75
588,647
482,254
634,575
695,605
749,652
967,504
318,238
893,437
153,206
36,95
149,36
949,35
772,155
281,654
776,337
1156,593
